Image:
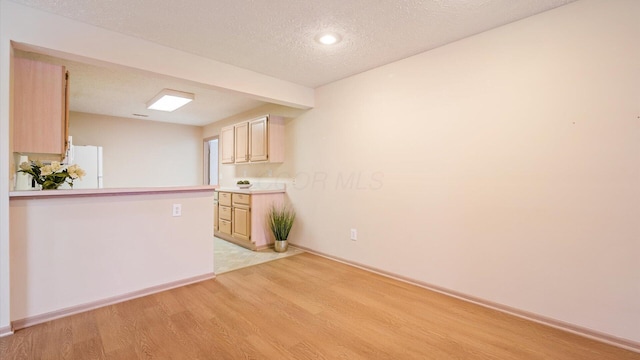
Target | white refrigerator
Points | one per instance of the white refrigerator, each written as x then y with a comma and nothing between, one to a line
89,158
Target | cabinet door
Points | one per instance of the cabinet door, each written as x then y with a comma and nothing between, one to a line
227,144
258,143
242,143
242,223
215,217
39,107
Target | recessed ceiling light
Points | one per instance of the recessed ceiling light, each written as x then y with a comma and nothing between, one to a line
328,38
169,100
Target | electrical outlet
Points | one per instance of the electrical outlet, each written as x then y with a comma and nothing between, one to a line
354,234
177,209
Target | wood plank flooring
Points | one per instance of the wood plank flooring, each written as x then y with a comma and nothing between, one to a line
300,307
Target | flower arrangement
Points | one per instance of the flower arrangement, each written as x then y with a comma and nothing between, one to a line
51,176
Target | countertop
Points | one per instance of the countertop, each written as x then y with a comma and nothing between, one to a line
32,194
258,188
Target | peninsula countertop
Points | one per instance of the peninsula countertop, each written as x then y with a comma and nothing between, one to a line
36,194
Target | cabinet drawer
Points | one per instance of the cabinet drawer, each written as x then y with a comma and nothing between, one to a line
225,212
242,199
225,226
224,198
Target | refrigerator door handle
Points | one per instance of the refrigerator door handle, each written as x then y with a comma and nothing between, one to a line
100,161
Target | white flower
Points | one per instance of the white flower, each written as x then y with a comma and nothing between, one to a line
55,166
46,170
25,166
75,172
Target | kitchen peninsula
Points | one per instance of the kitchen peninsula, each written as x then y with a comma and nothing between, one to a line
74,250
240,215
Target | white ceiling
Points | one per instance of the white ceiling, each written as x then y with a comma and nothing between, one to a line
272,37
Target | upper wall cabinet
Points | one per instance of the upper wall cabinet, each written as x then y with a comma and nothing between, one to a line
258,140
227,147
241,143
253,141
40,107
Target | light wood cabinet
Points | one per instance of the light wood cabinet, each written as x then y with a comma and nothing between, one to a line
258,140
225,227
241,216
234,218
253,141
241,224
224,219
224,214
215,217
40,107
241,143
240,199
227,144
242,220
224,198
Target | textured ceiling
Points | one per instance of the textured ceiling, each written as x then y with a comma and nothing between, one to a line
276,37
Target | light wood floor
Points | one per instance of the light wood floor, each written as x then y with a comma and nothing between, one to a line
300,307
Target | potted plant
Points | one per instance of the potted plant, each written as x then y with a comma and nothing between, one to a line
281,219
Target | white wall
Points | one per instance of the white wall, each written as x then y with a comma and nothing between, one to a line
141,153
67,252
504,166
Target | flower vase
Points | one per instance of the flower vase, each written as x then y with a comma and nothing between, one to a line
52,186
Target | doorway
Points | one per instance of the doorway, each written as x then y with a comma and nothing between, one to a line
211,161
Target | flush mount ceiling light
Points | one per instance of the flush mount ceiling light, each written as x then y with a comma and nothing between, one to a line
328,38
169,100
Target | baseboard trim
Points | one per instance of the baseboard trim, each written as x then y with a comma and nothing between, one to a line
561,325
38,319
264,247
5,331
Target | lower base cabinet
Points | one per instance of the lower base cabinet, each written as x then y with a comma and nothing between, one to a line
242,218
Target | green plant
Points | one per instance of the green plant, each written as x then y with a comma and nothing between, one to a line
281,219
243,182
51,176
